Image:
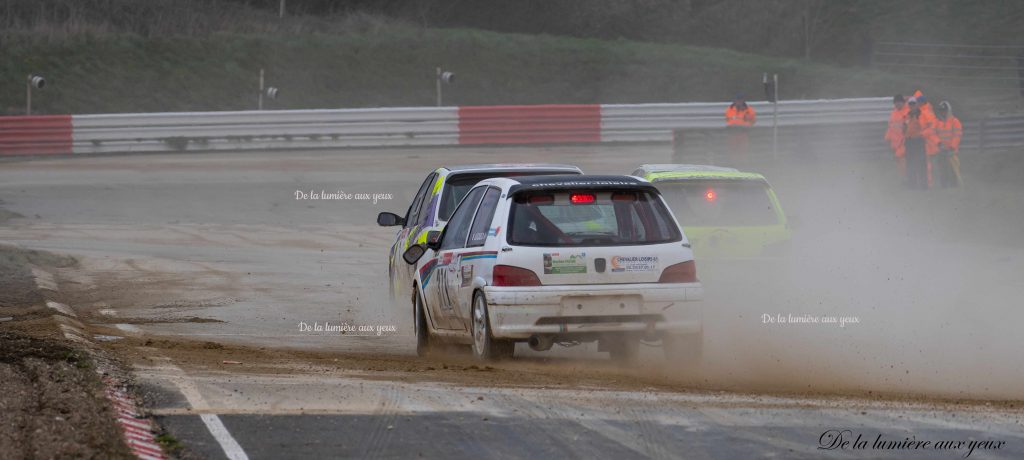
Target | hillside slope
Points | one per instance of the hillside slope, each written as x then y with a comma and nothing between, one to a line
376,63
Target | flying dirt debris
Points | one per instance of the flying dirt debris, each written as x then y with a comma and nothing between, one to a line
627,230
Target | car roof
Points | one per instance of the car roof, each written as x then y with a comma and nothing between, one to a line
514,167
587,181
665,172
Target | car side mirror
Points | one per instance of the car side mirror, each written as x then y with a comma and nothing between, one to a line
434,240
413,254
389,219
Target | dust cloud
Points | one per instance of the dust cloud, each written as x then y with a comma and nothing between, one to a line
932,279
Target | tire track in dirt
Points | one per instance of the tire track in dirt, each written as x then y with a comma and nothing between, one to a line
384,423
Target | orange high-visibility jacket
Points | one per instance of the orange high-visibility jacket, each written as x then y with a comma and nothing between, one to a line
931,137
921,127
737,117
949,132
928,121
895,132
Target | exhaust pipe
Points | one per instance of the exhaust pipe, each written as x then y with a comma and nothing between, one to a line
540,342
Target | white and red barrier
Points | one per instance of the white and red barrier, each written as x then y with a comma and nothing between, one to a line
36,135
530,124
408,126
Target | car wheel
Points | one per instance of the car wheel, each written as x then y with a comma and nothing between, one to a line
625,350
485,347
423,345
684,350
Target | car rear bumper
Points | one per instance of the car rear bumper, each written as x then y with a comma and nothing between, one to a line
520,312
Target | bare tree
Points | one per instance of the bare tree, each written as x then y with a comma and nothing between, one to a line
817,17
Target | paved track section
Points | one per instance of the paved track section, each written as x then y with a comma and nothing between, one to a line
207,264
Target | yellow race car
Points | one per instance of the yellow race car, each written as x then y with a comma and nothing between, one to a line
725,213
434,204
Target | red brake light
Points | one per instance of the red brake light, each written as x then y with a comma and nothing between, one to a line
541,199
710,195
685,272
507,275
582,198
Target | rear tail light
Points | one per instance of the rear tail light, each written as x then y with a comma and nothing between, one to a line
541,199
507,275
685,272
582,198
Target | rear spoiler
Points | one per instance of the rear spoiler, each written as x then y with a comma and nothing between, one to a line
615,183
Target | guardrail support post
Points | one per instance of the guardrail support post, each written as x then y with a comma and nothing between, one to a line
438,81
28,95
259,101
775,117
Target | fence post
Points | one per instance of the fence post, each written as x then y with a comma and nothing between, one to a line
775,117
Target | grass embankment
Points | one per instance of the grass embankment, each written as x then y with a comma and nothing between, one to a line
371,62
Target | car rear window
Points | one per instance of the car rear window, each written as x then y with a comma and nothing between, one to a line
590,218
459,185
720,203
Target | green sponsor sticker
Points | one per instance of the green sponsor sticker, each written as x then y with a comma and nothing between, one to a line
556,263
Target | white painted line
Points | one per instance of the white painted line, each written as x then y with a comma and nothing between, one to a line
74,334
108,312
213,423
63,309
44,279
221,434
128,327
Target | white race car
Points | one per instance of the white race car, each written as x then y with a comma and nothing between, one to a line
559,259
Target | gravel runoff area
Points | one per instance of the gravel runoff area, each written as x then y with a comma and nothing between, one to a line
52,402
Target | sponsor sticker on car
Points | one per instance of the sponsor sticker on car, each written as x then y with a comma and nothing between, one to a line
633,264
556,263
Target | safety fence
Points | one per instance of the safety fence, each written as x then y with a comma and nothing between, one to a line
446,126
36,135
996,134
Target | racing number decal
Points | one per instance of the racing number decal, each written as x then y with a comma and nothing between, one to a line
447,298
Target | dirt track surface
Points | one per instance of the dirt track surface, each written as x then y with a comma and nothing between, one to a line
207,264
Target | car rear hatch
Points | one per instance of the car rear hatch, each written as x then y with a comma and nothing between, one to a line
593,235
726,217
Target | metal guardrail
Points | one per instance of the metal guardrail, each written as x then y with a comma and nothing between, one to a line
35,135
848,140
440,126
430,126
996,134
655,122
283,129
